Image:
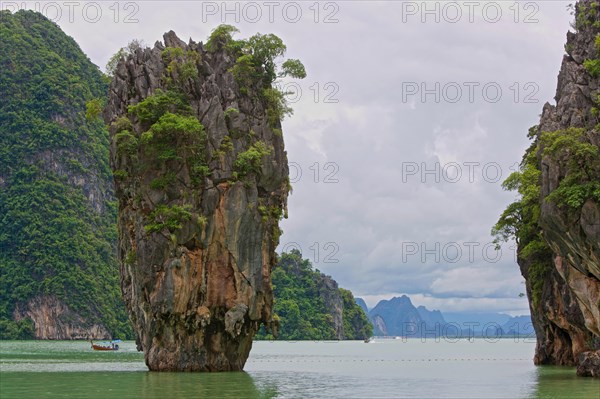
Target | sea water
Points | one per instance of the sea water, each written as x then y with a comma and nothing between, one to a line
383,368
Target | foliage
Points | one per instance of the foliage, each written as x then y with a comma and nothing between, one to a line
123,52
111,65
356,322
257,61
220,37
53,241
226,144
153,107
127,143
270,212
585,16
182,65
265,49
120,174
257,68
582,162
277,107
122,123
520,220
93,109
250,161
301,309
245,73
170,54
173,136
177,126
593,67
22,329
229,112
162,182
169,217
293,68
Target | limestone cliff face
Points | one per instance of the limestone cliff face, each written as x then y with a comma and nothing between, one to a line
329,291
53,319
567,317
197,230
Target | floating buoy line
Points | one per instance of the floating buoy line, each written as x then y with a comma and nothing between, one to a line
482,359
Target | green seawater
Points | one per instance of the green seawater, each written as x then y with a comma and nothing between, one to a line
380,369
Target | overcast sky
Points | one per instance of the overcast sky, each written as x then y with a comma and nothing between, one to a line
411,116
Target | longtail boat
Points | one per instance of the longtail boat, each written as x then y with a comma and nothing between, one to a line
106,346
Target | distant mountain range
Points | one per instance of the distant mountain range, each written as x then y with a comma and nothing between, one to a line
399,317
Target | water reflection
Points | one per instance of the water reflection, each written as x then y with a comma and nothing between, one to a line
204,385
148,385
562,382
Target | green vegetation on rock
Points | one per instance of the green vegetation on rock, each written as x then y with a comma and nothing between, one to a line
257,67
169,217
586,16
301,307
181,64
250,160
153,107
356,322
123,52
520,220
57,215
582,160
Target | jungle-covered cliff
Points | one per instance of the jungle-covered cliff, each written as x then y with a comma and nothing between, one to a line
556,221
58,268
310,305
202,181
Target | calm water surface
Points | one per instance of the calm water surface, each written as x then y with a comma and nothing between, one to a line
380,369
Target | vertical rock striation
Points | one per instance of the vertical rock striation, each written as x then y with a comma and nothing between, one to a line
202,180
565,298
332,298
52,319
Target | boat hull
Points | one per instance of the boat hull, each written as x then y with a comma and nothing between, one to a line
104,348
